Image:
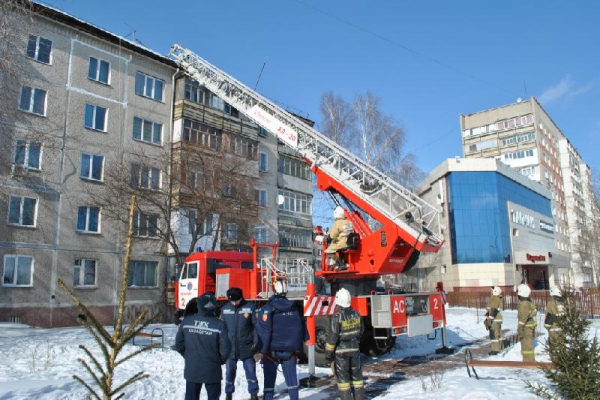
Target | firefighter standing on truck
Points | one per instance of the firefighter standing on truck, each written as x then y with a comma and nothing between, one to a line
343,346
240,318
526,313
281,334
341,229
203,341
555,308
493,321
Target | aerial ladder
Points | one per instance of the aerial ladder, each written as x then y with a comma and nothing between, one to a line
408,225
405,225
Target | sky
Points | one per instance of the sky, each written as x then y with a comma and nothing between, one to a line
428,61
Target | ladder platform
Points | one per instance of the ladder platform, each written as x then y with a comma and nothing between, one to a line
509,364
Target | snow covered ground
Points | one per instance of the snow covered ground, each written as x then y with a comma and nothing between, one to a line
38,363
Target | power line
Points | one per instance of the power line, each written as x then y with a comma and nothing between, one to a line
406,48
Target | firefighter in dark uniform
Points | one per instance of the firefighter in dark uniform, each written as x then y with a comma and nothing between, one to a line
526,313
281,334
555,308
343,346
240,318
203,341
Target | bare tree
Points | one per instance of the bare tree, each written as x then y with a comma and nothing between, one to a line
362,127
189,188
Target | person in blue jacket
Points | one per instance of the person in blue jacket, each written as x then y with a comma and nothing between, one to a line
240,318
203,341
281,334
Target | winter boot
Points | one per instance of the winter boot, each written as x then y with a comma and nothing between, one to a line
228,396
359,393
254,396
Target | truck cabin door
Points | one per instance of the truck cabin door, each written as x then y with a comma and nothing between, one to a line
188,283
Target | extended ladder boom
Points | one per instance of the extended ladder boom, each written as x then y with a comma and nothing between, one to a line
411,213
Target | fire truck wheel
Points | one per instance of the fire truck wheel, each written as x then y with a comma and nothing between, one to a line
321,332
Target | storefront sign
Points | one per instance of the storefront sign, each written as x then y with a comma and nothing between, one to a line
533,258
519,217
545,226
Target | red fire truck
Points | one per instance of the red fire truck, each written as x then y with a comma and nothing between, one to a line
392,228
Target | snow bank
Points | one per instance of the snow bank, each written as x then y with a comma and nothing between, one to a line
39,363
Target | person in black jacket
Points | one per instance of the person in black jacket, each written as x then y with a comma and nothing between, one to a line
240,318
343,345
203,341
281,334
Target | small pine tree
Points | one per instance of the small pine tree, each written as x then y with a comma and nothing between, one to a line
575,358
111,344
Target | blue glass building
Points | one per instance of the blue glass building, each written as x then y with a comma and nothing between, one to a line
497,224
478,214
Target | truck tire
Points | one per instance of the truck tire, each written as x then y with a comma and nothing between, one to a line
321,331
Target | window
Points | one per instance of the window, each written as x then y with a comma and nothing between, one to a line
91,167
39,49
520,138
145,225
295,202
145,177
227,190
263,162
260,234
243,146
18,271
84,273
195,178
191,214
142,274
95,117
519,154
480,146
230,231
201,134
262,131
33,100
28,154
99,70
148,86
262,197
22,211
147,131
293,237
294,167
88,219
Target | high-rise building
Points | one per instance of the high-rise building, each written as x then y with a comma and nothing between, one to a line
523,136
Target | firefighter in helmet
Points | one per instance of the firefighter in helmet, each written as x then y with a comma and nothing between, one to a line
526,313
493,321
555,308
281,333
341,229
343,346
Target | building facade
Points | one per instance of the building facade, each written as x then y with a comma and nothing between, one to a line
85,99
498,227
523,136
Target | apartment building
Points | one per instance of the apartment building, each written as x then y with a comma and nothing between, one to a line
263,190
523,136
87,102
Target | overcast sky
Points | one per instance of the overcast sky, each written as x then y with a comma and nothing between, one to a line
429,61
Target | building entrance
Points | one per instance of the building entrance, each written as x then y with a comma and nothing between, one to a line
536,276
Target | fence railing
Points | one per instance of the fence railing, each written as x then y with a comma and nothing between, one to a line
586,300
